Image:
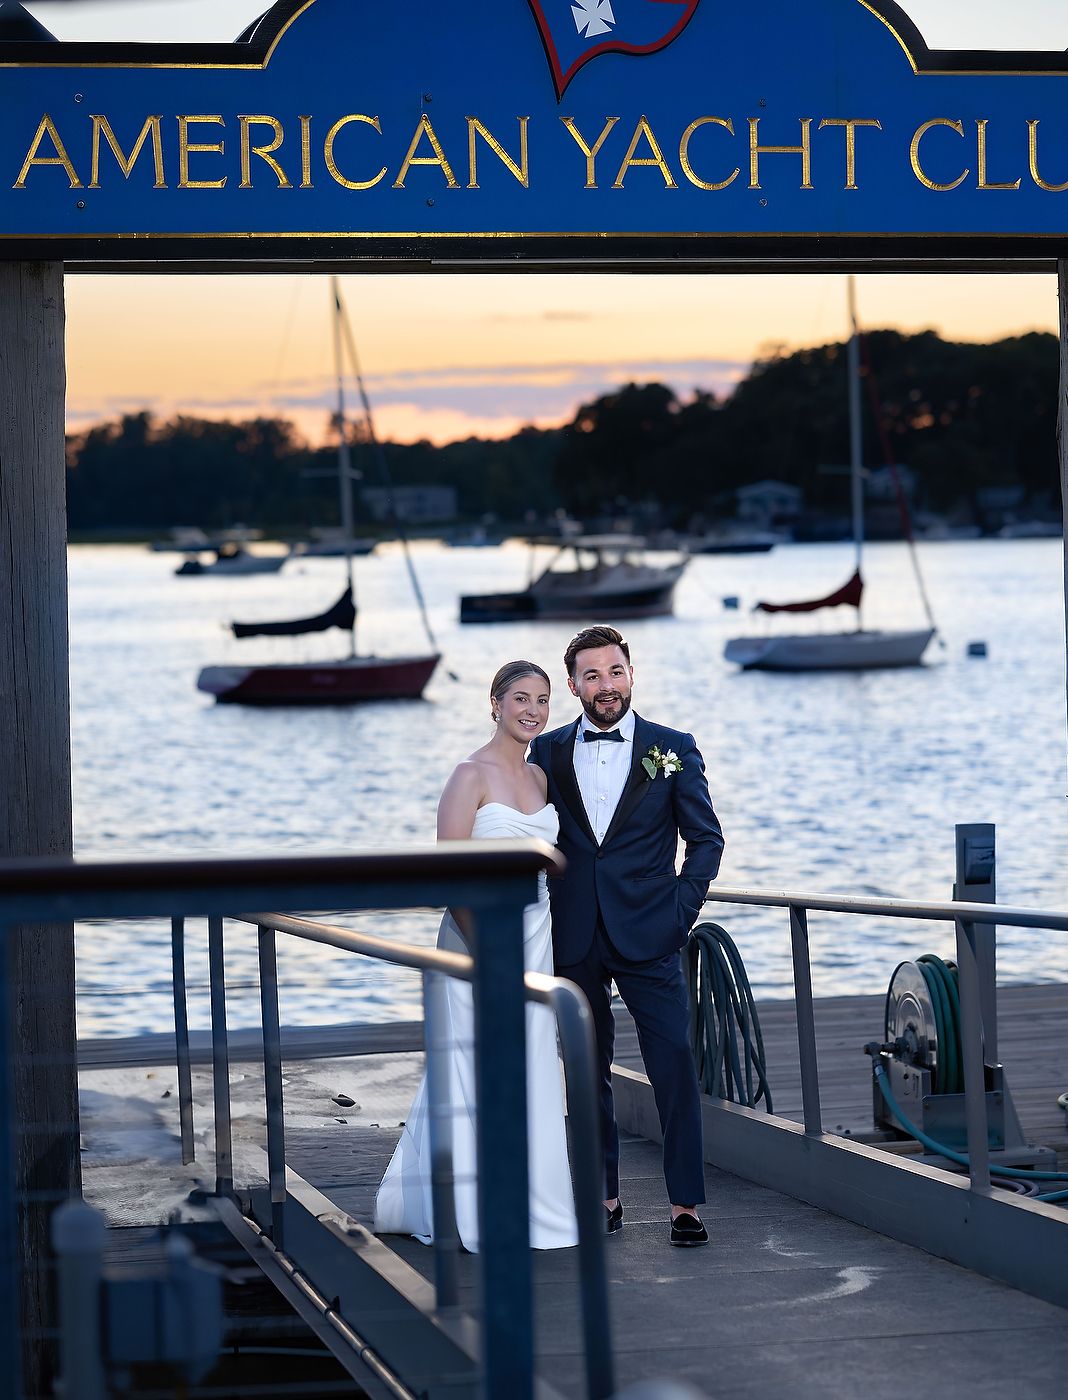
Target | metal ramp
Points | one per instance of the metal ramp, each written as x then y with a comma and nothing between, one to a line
787,1300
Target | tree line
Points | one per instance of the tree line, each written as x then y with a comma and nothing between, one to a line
963,417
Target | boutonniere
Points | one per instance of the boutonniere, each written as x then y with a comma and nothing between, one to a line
656,762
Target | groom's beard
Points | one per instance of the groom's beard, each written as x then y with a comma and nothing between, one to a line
602,718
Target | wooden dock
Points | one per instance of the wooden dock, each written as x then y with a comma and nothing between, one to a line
786,1301
1032,1045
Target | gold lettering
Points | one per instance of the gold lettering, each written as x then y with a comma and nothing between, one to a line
983,183
589,152
657,158
328,151
804,151
914,153
438,158
248,150
520,171
102,127
684,154
305,153
851,124
185,147
1032,153
47,128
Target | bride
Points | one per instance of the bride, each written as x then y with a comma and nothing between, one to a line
494,793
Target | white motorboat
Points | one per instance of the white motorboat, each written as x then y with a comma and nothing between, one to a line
232,559
609,579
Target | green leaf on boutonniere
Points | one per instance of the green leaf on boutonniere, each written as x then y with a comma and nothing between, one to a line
656,762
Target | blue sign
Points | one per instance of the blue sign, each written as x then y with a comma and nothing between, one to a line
630,130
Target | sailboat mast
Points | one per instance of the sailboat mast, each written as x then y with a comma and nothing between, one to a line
344,456
856,467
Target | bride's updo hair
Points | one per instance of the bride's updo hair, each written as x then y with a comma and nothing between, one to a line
506,677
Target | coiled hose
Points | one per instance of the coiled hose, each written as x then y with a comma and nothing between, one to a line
728,1047
961,1158
943,986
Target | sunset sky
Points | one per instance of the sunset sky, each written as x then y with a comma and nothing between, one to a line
447,357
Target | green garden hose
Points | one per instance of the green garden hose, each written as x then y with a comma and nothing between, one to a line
941,980
961,1158
728,1047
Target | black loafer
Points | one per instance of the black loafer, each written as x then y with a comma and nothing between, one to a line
613,1219
687,1231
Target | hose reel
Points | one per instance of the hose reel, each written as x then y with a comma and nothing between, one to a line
922,1020
924,1059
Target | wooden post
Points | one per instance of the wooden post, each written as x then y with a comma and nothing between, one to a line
1062,434
35,770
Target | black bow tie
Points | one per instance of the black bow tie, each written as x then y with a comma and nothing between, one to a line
593,736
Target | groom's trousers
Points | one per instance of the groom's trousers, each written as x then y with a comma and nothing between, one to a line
655,995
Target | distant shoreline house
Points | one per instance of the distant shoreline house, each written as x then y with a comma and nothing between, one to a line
415,505
766,503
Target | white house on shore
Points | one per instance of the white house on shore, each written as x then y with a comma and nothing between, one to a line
765,502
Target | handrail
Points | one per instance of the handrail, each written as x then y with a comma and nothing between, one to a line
495,880
965,917
40,888
946,910
384,949
575,1029
459,858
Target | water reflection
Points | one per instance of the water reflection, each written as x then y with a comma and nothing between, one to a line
849,784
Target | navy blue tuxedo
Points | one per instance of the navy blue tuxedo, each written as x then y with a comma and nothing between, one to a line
620,912
630,877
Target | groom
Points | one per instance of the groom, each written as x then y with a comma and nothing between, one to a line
626,790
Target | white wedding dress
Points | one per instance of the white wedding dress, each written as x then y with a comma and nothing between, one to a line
403,1205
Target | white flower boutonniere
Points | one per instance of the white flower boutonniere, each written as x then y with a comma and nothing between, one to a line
656,762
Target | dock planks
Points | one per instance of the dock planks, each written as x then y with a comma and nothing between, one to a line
787,1300
1032,1044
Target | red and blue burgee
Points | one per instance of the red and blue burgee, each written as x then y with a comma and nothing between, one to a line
574,31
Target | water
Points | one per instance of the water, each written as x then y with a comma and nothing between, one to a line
836,783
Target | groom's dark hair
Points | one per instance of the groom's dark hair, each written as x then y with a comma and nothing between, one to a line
588,639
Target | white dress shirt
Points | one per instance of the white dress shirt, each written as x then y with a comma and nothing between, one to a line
601,770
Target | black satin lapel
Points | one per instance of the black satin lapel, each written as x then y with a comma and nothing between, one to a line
638,784
563,769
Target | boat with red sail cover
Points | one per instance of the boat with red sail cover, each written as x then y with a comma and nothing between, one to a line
350,679
859,649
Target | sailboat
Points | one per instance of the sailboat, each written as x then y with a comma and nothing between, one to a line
859,649
352,678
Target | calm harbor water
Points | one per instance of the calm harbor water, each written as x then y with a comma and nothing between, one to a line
843,783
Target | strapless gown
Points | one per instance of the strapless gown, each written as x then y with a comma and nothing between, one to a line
403,1205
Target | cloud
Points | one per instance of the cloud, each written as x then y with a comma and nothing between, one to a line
441,405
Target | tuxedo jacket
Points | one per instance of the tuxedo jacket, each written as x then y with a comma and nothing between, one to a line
630,879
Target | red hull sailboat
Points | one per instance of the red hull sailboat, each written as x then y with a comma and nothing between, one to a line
321,682
353,678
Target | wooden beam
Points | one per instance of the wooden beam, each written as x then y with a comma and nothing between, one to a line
35,774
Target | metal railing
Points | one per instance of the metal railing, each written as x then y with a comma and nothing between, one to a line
575,1031
495,883
966,918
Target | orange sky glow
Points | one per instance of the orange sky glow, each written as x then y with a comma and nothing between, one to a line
454,355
